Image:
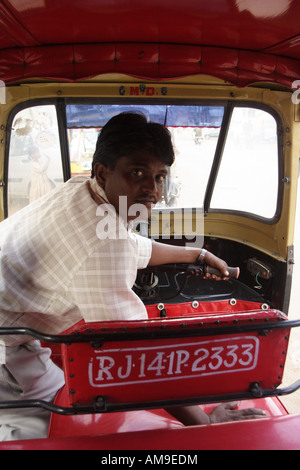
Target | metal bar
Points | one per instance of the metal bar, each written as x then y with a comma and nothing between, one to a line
218,156
101,406
63,137
15,404
181,331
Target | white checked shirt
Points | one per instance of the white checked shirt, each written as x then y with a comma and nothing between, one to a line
55,270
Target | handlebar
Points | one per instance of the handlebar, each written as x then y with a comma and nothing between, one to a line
192,269
146,284
234,272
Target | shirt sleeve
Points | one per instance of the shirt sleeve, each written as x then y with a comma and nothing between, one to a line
144,247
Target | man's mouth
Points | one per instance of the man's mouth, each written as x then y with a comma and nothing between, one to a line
149,201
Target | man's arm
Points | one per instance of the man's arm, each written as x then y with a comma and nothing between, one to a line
163,254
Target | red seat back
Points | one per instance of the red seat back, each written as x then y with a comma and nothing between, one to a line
127,365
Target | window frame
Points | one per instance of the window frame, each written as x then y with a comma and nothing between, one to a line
229,105
218,159
63,142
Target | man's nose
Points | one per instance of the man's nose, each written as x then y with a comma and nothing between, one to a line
150,184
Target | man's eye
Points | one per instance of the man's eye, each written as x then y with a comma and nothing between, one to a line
137,173
161,178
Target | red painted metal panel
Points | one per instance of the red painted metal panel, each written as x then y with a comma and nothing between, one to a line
139,420
149,370
277,433
107,423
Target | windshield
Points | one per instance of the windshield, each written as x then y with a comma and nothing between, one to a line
226,159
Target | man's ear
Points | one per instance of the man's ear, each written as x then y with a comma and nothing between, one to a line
100,172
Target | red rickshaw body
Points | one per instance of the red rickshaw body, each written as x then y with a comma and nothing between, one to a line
207,346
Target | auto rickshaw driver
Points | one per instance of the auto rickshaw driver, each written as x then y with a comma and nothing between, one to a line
57,268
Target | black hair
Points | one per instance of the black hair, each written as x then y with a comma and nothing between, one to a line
128,133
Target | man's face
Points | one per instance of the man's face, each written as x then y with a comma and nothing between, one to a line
139,177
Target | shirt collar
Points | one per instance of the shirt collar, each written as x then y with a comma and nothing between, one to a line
97,193
99,196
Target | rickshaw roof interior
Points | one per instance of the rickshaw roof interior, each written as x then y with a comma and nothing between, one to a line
240,41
